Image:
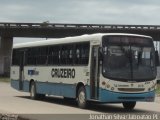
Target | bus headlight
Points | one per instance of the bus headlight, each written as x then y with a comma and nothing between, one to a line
108,86
103,83
112,88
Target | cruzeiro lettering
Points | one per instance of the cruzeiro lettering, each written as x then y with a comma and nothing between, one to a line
63,73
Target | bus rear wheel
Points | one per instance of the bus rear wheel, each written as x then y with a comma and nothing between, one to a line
81,98
33,93
129,105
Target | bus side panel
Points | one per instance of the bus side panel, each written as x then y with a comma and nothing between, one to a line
26,86
14,76
63,85
69,90
46,88
88,93
66,90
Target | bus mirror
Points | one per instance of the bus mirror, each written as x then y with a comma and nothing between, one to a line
100,49
156,58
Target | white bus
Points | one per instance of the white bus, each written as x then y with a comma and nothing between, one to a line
106,68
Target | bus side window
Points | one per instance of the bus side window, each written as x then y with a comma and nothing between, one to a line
41,55
56,59
85,54
77,56
34,56
67,55
82,54
63,55
70,55
53,55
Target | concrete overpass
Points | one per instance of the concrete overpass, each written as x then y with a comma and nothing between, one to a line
57,30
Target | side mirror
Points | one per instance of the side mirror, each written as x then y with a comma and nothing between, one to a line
156,58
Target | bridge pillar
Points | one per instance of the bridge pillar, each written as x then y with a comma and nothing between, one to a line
5,55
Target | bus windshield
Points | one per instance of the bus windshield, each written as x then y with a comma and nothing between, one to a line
128,58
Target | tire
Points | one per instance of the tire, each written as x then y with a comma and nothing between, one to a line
33,93
129,105
81,98
68,99
41,96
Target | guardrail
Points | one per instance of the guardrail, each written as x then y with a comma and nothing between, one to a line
89,26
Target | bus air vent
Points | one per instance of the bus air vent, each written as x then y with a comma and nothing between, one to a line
131,89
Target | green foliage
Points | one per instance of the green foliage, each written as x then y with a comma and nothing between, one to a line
158,89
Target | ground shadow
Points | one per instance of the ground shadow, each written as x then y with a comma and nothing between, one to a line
104,108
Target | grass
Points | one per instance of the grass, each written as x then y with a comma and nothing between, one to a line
4,79
158,90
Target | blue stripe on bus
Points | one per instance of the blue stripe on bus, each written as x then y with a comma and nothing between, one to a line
26,86
15,84
111,96
68,90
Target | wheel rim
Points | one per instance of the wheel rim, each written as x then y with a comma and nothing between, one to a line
81,97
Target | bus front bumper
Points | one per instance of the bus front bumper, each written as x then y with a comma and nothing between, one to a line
115,97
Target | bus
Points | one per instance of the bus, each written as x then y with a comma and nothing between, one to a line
101,67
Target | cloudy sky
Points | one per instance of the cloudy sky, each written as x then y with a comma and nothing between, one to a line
144,12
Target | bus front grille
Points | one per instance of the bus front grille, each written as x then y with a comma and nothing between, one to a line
131,89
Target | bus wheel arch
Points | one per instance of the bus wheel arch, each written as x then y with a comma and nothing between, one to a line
80,84
31,81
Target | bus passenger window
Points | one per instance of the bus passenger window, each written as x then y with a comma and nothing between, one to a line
82,54
53,55
77,61
70,55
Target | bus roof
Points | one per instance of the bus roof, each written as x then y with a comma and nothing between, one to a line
82,38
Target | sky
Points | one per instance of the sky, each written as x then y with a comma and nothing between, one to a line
139,12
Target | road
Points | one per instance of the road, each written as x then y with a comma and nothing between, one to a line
15,102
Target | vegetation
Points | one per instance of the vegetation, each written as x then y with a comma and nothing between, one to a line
158,89
4,79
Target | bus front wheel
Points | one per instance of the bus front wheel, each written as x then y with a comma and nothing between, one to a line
81,98
129,105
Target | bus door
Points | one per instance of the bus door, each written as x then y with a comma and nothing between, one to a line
94,80
21,70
